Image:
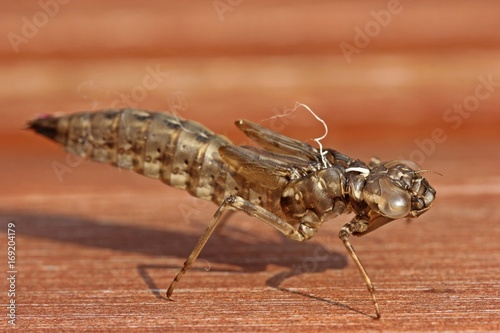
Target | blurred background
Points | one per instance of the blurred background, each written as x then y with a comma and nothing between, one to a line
390,78
396,79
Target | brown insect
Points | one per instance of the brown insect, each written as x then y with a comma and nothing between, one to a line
286,183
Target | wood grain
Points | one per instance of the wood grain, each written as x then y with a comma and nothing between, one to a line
96,247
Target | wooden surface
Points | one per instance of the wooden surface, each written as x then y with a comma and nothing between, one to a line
96,247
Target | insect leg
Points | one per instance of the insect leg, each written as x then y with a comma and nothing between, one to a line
248,207
223,222
344,234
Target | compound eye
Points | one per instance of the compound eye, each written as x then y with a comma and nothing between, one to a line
394,201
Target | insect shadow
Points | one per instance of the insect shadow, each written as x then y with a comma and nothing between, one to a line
297,258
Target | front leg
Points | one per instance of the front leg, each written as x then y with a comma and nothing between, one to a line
358,226
248,207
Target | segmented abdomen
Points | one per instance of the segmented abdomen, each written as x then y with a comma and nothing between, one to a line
181,153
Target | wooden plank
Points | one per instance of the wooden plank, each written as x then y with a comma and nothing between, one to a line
100,254
96,247
173,28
